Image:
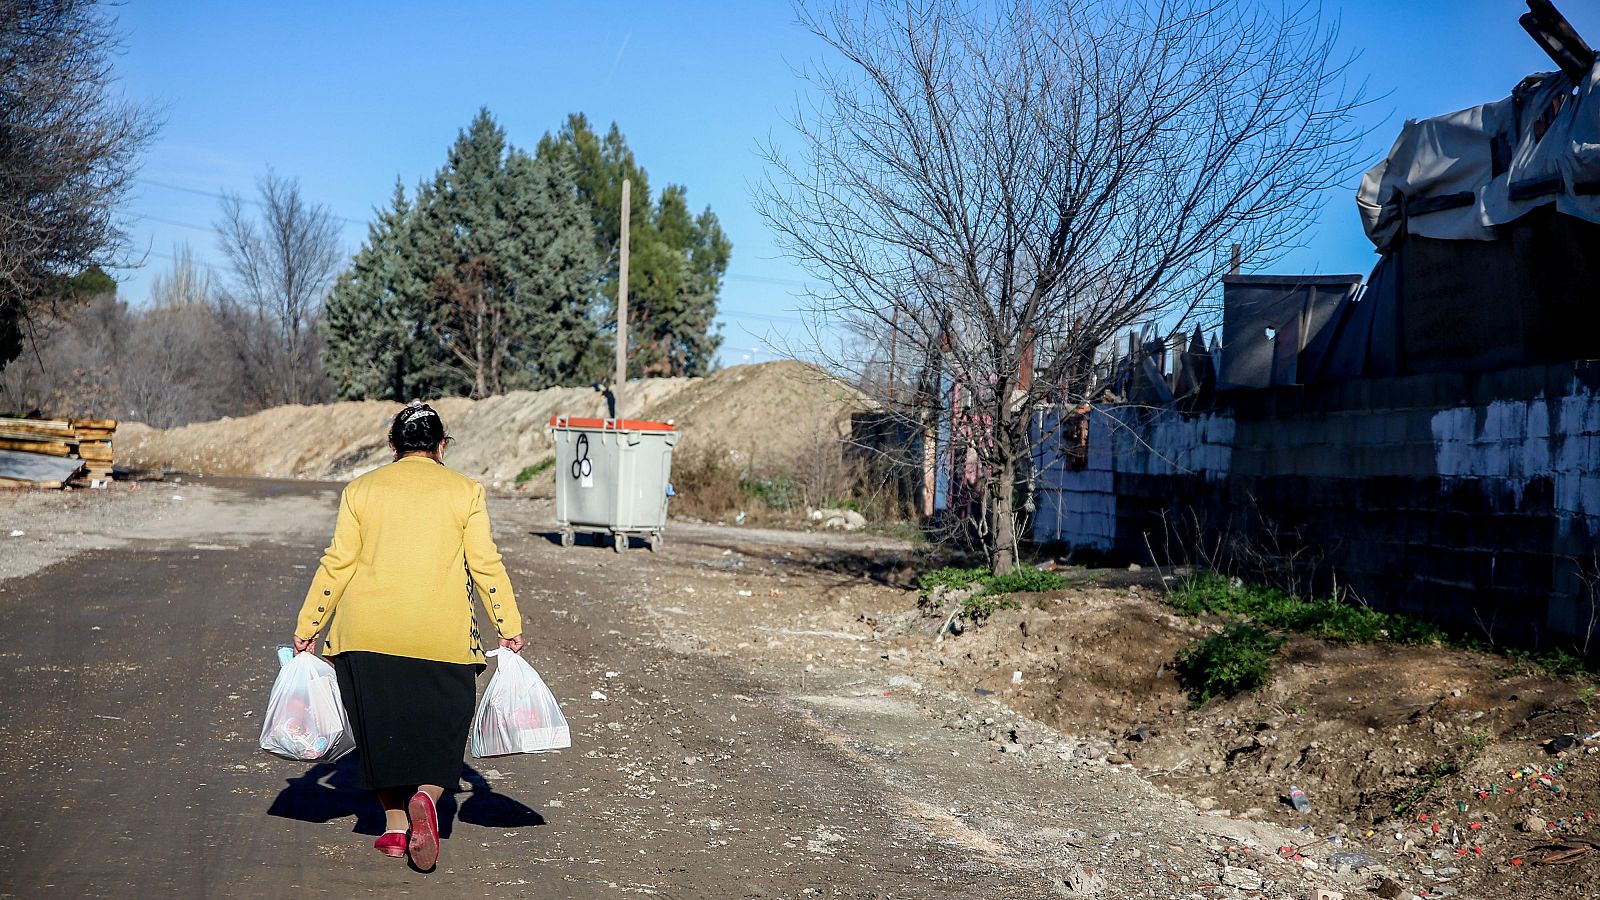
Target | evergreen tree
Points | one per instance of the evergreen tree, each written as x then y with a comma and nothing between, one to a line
676,261
483,284
375,332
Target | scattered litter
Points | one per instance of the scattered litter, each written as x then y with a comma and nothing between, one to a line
597,695
1298,797
17,532
1356,861
1016,677
747,593
612,674
1566,854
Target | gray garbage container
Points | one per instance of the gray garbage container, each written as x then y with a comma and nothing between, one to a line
612,478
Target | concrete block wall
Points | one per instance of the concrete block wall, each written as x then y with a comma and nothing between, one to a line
1471,499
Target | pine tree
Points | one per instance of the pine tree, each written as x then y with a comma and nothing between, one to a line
676,262
507,255
375,333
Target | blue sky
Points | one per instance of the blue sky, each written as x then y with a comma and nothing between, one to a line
347,97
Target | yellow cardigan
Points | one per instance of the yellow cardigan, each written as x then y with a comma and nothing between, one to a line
411,541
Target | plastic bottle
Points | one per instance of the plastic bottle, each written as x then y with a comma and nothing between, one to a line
1298,798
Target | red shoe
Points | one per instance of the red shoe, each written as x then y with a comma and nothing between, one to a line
393,843
424,831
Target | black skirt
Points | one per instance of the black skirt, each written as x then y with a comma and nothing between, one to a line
410,717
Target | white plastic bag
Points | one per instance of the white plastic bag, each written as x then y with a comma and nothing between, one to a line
517,714
305,718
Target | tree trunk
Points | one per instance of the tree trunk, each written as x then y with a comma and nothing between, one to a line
1004,527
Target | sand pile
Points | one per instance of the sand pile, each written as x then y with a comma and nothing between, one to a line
497,437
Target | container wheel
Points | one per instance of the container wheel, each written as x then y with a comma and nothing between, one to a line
568,538
619,542
655,542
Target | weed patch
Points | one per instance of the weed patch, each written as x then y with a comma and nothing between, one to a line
534,471
1333,619
1427,780
993,591
780,492
1238,659
1329,618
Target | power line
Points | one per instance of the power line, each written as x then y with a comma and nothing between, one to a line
721,310
219,196
146,218
737,276
768,279
746,314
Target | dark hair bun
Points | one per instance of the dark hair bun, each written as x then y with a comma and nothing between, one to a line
416,428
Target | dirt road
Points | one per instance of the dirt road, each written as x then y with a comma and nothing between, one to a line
138,651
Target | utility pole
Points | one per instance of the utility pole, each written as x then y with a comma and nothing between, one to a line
622,301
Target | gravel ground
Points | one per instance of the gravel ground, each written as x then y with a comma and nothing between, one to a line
727,743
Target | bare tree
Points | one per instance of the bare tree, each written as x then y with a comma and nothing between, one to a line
67,153
186,283
999,188
282,266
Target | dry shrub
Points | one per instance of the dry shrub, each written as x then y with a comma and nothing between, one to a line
776,483
707,481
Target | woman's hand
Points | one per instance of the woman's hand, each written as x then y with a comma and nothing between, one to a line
302,646
513,643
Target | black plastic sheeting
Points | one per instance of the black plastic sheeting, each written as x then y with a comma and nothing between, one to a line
1531,296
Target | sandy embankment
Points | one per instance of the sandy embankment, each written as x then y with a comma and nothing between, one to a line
495,438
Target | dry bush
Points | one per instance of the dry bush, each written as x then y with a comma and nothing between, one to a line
707,481
778,483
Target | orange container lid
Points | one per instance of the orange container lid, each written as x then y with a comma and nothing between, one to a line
609,424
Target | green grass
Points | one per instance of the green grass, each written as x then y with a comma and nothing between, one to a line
952,578
1427,780
781,493
534,471
994,591
1236,660
1328,618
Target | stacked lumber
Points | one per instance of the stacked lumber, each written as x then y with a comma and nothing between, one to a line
94,446
86,440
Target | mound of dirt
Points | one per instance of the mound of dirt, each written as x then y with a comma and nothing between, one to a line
1446,765
495,438
752,409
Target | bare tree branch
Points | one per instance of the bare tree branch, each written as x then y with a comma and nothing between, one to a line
68,149
1005,187
282,266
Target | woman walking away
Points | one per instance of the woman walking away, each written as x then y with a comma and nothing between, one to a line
393,599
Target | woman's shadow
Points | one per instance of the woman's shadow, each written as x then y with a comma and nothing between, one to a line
328,791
